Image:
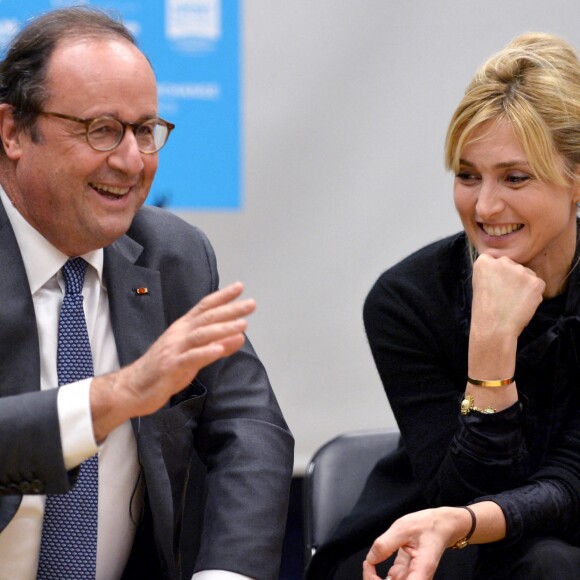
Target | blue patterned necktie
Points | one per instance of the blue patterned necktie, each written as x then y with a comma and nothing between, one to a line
69,535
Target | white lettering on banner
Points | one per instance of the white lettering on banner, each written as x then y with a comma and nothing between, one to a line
196,91
193,19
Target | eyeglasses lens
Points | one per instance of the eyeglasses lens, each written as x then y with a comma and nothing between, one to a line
105,134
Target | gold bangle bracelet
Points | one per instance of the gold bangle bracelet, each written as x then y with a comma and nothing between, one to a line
497,383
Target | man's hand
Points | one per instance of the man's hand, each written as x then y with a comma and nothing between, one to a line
211,330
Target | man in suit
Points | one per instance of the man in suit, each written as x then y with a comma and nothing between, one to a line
194,456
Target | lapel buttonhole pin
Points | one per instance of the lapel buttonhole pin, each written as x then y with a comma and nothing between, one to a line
141,291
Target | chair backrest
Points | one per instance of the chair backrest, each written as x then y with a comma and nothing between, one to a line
334,480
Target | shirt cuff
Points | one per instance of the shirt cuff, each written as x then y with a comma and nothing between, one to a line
219,575
76,424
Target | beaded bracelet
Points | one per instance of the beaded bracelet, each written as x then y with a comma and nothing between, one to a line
468,405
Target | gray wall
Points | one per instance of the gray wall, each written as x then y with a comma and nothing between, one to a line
345,111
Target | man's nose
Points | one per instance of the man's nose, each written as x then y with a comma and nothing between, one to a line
126,157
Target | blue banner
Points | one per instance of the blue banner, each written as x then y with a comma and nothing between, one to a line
194,46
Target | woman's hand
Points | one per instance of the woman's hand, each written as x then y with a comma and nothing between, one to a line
505,297
505,294
420,538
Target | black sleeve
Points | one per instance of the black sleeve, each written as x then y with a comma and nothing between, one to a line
419,344
419,341
550,503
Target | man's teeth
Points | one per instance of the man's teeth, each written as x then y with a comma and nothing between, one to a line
501,230
110,189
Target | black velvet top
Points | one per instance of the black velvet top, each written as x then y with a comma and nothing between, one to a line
525,458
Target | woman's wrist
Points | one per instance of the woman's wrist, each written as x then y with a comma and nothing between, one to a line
490,523
462,526
464,541
491,357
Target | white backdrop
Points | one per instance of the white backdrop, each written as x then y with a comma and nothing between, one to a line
346,104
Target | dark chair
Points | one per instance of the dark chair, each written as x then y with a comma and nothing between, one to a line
334,480
333,483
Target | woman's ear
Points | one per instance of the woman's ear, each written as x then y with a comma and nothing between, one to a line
9,133
576,187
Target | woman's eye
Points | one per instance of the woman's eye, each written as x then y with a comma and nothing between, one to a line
517,179
465,176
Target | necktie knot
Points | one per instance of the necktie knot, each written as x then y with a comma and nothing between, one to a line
74,275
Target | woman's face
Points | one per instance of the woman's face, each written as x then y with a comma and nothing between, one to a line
506,211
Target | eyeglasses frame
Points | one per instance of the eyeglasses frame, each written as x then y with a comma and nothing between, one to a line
87,122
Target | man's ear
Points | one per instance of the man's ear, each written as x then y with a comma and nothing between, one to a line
9,134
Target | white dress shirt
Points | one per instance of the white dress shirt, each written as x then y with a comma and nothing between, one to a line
118,467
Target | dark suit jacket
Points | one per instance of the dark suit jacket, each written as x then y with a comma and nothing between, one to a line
217,459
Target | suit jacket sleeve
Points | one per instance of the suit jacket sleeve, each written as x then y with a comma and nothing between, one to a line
31,460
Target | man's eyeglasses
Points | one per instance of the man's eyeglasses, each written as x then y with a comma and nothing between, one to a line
105,133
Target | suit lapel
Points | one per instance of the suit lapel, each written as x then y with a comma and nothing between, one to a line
19,350
135,300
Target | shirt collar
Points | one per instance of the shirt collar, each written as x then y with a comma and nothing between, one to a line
41,259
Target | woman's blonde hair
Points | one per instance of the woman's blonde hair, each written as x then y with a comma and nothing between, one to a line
534,84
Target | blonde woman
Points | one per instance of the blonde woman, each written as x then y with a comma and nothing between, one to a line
477,337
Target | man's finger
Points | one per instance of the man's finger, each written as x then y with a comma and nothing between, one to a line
219,297
214,333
